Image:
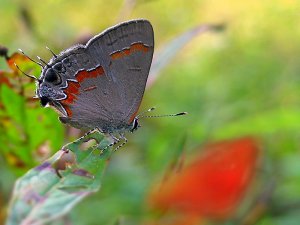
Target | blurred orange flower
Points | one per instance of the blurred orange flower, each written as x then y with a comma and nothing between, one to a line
213,184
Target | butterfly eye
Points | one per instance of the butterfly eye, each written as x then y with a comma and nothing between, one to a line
59,67
52,77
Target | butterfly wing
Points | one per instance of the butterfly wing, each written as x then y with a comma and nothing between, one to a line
107,77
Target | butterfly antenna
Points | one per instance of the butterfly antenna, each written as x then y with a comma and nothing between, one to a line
142,115
43,61
20,50
28,75
167,115
146,111
54,55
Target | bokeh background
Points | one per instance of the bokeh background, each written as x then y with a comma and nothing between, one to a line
242,80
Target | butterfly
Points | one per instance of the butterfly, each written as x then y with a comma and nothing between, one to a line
100,85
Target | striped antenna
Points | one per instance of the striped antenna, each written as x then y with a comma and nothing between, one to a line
28,75
20,50
142,114
54,55
43,61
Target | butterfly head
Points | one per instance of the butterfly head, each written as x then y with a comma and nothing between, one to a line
49,87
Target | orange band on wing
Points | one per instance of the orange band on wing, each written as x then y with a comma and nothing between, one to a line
72,90
84,74
90,88
127,51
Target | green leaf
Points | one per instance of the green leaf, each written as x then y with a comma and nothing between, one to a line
44,127
41,196
13,104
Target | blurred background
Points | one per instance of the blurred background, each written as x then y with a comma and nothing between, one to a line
241,79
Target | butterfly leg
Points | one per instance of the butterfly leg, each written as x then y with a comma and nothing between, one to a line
81,139
123,143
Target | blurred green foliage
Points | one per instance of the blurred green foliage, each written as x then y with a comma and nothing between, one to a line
243,81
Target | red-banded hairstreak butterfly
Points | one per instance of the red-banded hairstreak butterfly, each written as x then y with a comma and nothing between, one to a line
100,85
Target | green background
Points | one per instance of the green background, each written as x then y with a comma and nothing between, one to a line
241,81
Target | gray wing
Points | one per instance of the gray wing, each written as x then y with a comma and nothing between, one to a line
117,63
129,50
